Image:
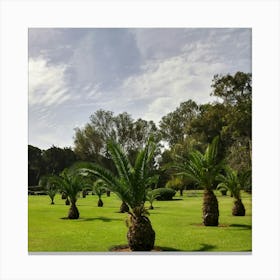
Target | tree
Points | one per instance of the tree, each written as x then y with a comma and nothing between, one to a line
34,165
176,183
130,185
50,188
172,126
203,169
56,159
231,182
99,187
151,196
71,184
90,142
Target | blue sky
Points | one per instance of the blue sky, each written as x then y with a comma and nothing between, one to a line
146,72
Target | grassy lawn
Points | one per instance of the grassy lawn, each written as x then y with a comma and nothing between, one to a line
177,225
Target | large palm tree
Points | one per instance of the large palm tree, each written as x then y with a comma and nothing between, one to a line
71,184
230,181
130,184
203,169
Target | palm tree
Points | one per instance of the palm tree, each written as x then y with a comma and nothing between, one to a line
130,184
203,169
71,184
99,187
50,188
230,181
151,196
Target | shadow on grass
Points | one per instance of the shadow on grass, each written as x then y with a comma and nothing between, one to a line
205,247
241,226
104,219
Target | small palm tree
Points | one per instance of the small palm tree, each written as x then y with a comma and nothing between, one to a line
203,169
99,187
151,196
50,188
71,184
130,185
230,181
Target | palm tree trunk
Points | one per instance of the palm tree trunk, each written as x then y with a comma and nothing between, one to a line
238,208
100,202
67,201
210,208
140,235
73,211
124,207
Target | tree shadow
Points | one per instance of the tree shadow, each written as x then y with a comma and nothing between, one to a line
242,226
103,219
205,247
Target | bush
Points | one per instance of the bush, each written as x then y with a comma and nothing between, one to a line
164,193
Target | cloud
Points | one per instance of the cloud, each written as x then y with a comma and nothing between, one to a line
164,84
47,83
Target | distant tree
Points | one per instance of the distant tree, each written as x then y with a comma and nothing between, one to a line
90,142
35,165
173,125
99,188
51,189
56,159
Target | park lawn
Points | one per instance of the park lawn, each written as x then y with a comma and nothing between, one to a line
177,223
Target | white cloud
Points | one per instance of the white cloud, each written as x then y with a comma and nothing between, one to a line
164,84
47,84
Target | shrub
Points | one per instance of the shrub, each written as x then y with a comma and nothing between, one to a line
164,193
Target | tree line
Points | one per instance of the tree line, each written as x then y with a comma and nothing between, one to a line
189,127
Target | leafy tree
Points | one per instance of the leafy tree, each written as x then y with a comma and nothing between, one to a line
90,142
35,165
177,184
203,169
56,159
130,185
173,125
231,182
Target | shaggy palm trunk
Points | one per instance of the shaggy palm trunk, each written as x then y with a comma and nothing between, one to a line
181,192
100,203
73,211
108,193
140,235
210,209
52,200
238,208
124,207
151,207
84,193
67,201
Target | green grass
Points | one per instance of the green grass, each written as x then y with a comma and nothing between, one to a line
177,223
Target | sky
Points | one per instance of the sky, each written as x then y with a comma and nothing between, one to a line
146,72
